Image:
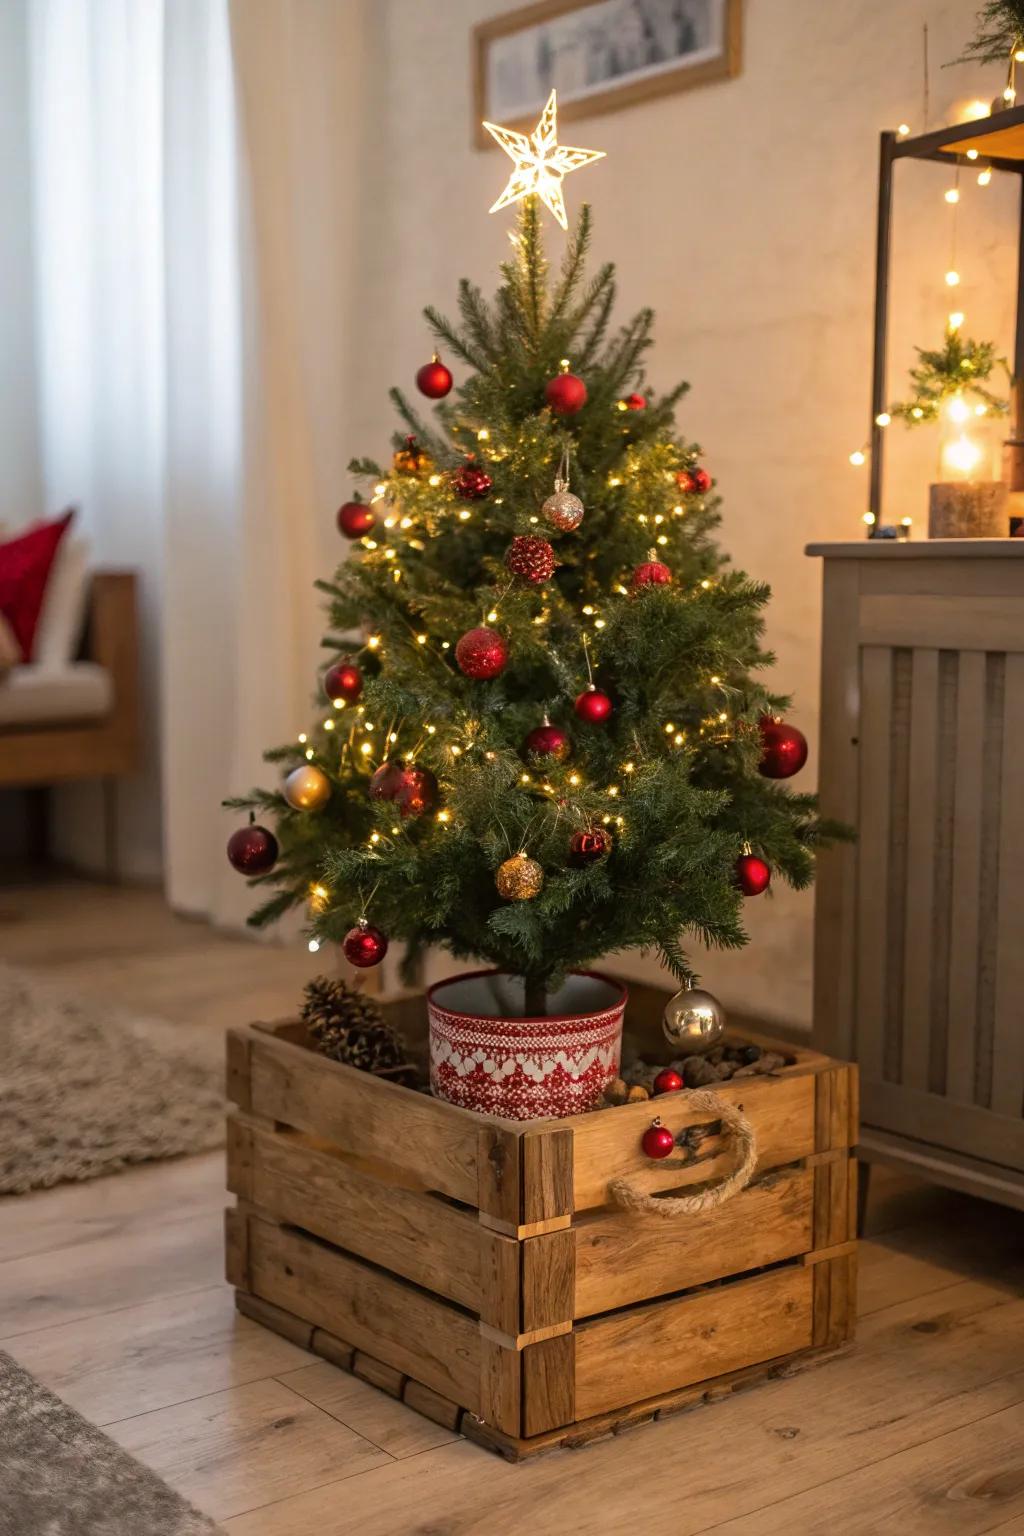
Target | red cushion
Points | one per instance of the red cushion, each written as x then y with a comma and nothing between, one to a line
25,564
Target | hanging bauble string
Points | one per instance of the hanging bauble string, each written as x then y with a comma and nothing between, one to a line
434,380
693,1020
520,878
783,748
306,788
364,945
343,681
252,850
355,519
563,510
530,558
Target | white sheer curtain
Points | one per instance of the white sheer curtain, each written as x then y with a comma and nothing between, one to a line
192,168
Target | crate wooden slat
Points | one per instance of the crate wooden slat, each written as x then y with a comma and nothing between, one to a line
474,1267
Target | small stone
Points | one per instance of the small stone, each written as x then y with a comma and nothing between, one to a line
616,1091
716,1055
724,1070
752,1053
771,1061
748,1071
699,1073
637,1094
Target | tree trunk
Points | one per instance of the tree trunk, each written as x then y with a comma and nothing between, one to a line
535,997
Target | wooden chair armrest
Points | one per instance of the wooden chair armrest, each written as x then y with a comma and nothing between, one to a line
112,641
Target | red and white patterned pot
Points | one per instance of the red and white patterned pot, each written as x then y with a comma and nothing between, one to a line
485,1056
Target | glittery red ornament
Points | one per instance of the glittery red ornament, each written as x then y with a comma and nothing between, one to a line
653,573
355,519
701,480
530,558
434,380
482,653
364,945
547,740
418,793
658,1141
252,850
753,875
343,681
387,781
668,1081
635,402
586,846
684,480
592,705
471,482
784,749
566,394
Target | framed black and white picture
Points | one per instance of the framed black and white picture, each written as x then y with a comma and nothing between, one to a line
599,55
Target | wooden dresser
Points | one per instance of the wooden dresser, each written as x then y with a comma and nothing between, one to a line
919,944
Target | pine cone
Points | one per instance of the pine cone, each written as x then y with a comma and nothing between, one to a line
349,1027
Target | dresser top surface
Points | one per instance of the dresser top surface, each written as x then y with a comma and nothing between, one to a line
921,549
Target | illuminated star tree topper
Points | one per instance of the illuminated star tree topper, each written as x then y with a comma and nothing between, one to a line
540,162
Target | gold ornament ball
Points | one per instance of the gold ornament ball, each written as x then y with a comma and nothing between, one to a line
563,510
307,788
694,1021
519,878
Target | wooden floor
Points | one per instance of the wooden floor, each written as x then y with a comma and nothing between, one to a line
111,1293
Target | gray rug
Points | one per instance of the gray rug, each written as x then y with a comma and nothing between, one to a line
59,1476
84,1091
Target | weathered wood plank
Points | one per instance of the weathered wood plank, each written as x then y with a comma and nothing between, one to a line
674,1343
919,961
624,1258
547,1174
499,1191
236,1247
549,1373
950,621
607,1146
966,877
416,1235
549,1265
1008,1031
386,1318
498,1395
358,1113
238,1074
872,856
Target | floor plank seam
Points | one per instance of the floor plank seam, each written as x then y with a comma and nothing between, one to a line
69,1322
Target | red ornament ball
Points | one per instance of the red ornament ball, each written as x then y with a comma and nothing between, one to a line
547,741
471,482
252,850
658,1141
482,653
387,781
591,844
355,519
684,480
635,402
530,558
364,945
653,573
418,793
784,749
701,480
434,380
753,875
566,394
592,705
343,681
668,1081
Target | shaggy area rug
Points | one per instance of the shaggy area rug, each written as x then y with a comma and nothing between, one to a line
62,1477
85,1091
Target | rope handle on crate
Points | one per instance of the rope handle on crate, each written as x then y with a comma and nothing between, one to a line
737,1131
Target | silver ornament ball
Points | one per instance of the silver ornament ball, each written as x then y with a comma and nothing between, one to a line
694,1021
563,511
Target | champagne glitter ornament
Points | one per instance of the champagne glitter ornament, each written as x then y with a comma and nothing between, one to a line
563,510
520,878
693,1020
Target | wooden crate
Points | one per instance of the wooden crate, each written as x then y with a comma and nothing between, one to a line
474,1267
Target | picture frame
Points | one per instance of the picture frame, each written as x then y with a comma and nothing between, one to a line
601,55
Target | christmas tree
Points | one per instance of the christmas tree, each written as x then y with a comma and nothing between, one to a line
543,735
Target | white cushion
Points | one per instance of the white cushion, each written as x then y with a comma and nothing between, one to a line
63,612
35,695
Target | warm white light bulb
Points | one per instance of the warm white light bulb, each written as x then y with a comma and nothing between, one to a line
313,946
956,319
958,410
961,455
985,176
1009,94
883,419
972,154
903,130
869,518
857,458
952,194
952,278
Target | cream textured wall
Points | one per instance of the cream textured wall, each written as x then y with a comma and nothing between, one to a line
744,212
